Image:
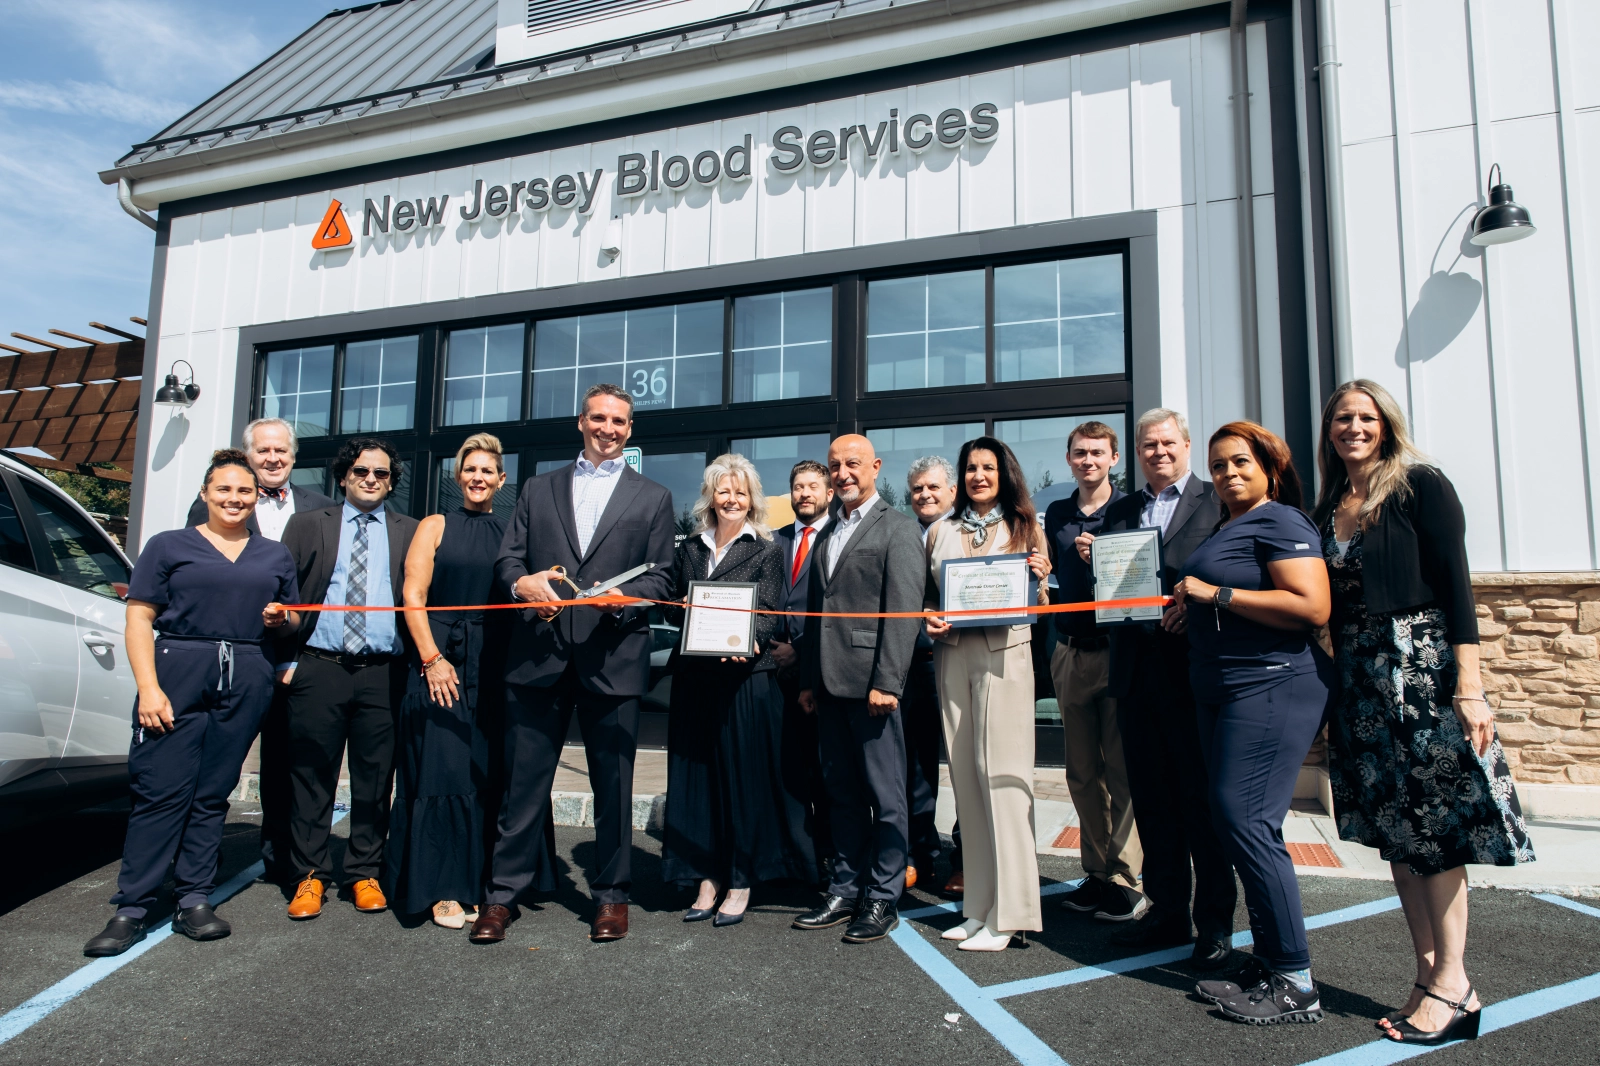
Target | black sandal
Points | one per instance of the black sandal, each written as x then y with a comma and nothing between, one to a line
1395,1015
1463,1023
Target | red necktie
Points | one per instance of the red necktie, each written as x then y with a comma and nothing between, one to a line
800,553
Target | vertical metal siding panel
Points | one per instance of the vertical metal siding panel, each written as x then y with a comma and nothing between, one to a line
1180,324
734,207
305,285
1521,80
1198,228
1224,354
689,227
1438,63
244,265
337,265
1261,177
560,241
211,271
1271,337
1105,104
1166,130
408,251
278,262
833,194
783,195
443,249
1216,116
936,176
602,157
1446,340
1045,117
183,254
1377,291
375,255
482,239
988,170
1538,409
1364,99
166,501
881,194
1581,40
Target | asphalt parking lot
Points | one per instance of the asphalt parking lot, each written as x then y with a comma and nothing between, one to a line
354,988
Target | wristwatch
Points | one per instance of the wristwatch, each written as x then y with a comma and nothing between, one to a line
1225,599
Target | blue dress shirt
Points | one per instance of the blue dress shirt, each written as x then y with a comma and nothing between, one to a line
382,634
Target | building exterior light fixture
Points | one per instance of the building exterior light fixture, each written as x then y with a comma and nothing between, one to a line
173,394
1504,220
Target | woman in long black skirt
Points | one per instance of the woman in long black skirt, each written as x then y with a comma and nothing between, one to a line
445,766
729,822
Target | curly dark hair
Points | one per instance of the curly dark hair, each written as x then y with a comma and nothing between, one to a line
351,450
227,457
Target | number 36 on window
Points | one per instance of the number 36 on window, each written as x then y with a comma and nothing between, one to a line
649,383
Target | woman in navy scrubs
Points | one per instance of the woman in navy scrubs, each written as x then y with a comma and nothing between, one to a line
213,592
1251,597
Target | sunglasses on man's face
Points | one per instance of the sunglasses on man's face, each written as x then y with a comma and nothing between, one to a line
363,472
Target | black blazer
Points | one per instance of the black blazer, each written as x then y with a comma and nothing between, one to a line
794,593
749,559
1197,516
611,649
304,500
312,537
1415,555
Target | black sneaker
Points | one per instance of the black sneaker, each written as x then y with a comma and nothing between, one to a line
1085,899
1251,976
1274,1002
1118,904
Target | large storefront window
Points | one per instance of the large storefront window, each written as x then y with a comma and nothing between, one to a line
483,375
450,496
774,457
379,391
926,332
782,345
1058,320
1040,445
901,446
297,386
664,356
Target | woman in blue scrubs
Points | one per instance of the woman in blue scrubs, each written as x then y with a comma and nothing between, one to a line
213,592
1251,597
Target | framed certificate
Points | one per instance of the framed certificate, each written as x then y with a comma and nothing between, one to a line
988,581
1127,566
719,619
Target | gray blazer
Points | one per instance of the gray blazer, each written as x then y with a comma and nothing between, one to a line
882,569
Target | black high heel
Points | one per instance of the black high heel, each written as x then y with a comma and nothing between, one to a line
699,914
1463,1023
1395,1015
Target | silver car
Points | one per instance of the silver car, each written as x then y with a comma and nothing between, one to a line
66,692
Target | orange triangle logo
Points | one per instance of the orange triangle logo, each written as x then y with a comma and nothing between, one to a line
332,231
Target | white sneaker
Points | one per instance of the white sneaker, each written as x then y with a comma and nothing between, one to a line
986,940
962,931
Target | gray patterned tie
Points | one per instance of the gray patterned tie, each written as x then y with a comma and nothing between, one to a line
355,593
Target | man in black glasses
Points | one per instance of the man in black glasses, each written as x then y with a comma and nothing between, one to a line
348,674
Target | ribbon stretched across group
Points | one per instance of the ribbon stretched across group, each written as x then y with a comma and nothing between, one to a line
634,601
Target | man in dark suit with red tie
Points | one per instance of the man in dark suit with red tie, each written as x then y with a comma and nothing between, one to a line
810,494
595,519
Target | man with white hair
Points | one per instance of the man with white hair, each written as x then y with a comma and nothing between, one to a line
270,443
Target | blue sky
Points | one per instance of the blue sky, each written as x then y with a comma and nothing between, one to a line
80,82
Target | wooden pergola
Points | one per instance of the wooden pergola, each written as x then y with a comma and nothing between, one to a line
77,403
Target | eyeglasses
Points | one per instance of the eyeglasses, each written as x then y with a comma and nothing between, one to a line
363,472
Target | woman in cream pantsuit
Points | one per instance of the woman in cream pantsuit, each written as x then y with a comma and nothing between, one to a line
985,676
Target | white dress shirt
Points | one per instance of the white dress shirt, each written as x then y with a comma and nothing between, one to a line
718,554
848,524
816,525
272,514
927,530
592,487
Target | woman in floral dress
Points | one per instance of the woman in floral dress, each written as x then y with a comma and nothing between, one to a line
1418,772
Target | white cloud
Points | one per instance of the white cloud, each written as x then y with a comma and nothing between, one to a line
97,99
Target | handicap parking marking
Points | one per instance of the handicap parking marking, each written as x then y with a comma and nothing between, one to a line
24,1016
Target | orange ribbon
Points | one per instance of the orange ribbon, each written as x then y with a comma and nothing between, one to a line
630,601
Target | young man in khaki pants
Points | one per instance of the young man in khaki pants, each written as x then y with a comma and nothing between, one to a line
1096,774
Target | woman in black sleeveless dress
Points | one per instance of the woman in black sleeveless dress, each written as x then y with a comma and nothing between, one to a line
446,771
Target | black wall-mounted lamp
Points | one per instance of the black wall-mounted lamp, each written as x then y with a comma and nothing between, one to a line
173,394
1504,220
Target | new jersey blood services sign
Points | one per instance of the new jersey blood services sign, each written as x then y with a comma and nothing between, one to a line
639,175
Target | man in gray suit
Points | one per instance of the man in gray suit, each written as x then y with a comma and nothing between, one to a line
852,675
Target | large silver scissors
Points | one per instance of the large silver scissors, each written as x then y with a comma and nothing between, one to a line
604,587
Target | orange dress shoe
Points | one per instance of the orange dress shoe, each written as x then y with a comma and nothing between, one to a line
956,887
308,897
911,877
368,896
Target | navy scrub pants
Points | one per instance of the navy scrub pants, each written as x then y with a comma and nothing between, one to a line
1254,747
181,779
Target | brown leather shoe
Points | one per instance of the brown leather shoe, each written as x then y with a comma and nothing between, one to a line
955,887
368,896
308,897
911,877
610,922
490,928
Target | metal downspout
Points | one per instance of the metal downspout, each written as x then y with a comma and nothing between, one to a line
125,198
1249,324
1333,164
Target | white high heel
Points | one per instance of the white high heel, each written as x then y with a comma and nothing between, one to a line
962,931
988,939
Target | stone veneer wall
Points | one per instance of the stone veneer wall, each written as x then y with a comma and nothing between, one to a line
1541,671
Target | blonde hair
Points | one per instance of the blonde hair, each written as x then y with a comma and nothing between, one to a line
737,466
1389,479
481,442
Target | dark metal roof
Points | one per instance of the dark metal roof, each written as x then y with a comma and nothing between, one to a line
403,54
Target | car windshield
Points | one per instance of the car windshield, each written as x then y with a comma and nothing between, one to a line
85,559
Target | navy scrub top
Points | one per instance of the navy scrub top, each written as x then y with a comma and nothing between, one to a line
201,594
1232,657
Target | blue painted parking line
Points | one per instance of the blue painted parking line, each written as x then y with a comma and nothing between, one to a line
24,1016
1570,904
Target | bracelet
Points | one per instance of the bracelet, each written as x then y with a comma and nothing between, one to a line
1471,699
430,663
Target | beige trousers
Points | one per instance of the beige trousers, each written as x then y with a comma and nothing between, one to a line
987,699
1096,774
